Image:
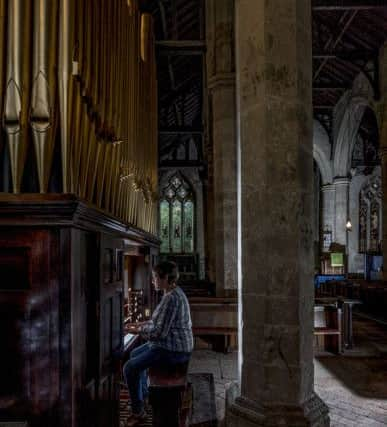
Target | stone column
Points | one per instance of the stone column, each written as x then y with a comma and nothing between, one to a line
328,209
275,195
221,91
198,186
341,209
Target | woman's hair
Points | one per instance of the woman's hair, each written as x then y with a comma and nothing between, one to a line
167,269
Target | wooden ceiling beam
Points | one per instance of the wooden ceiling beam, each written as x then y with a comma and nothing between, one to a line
180,52
181,164
330,88
180,130
334,40
354,55
318,5
181,47
181,44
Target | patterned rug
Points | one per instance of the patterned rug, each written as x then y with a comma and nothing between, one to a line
203,403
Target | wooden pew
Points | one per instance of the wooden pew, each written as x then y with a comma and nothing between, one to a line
215,320
229,334
328,327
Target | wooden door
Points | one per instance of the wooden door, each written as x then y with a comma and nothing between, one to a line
111,329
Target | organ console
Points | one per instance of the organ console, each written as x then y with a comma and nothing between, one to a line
139,296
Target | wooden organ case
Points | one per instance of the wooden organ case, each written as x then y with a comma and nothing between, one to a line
78,186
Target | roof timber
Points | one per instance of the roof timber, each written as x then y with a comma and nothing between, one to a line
347,4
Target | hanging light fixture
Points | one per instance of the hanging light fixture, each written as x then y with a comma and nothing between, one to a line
348,225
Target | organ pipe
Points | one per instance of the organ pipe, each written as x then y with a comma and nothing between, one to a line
78,81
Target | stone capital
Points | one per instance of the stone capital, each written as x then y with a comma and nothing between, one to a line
242,412
341,181
221,80
327,188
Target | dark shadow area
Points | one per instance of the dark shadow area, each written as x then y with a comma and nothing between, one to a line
363,370
365,376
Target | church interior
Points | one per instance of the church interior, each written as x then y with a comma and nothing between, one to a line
243,140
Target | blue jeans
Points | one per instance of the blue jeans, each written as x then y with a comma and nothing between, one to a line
142,358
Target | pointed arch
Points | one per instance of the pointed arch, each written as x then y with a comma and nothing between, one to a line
348,115
322,152
177,214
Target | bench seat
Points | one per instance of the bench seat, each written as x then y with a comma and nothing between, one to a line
326,331
169,395
214,330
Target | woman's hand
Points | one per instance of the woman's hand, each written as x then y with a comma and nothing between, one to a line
134,328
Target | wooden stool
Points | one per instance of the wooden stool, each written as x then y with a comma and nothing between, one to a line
168,389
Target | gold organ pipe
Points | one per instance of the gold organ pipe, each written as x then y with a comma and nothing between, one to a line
17,90
93,144
145,33
3,21
64,76
79,118
42,114
87,102
103,96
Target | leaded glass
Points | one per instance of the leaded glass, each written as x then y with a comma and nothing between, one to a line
177,213
182,192
370,216
188,226
170,193
176,227
374,227
176,182
363,226
164,226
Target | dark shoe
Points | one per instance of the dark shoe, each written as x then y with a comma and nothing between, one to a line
136,419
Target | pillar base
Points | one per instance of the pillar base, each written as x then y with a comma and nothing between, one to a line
241,412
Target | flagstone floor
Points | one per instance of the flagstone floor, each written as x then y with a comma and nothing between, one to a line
354,385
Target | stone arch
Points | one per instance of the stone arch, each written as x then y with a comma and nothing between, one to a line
348,114
322,152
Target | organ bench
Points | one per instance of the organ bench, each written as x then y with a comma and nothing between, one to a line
170,395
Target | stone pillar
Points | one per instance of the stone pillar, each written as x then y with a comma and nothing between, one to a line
341,209
200,249
328,209
275,195
221,92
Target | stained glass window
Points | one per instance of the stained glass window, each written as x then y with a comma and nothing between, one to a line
177,213
370,216
188,226
164,226
176,227
363,226
374,227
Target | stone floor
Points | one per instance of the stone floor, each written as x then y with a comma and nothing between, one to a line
354,385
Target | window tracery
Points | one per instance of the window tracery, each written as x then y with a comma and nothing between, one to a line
370,230
177,216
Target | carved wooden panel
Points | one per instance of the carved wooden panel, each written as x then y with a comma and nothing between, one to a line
28,326
15,268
